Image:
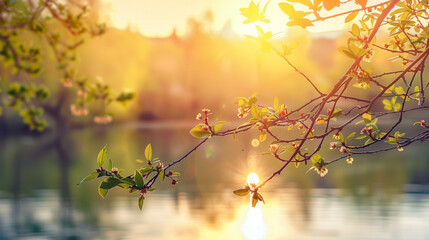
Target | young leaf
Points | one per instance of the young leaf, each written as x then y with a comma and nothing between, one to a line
138,178
102,156
140,202
387,104
329,4
218,126
241,192
367,117
162,174
350,136
361,137
261,198
351,16
198,131
255,112
128,181
109,183
255,199
355,30
148,152
397,107
362,3
102,192
276,103
92,176
110,165
297,164
263,136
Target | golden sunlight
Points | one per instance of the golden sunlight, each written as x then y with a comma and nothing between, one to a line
252,179
160,18
254,227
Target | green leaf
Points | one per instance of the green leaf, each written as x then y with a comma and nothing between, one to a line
287,8
276,103
367,117
361,137
109,183
110,165
347,52
316,158
1,110
148,152
351,16
337,112
138,178
355,30
397,107
89,177
302,22
140,202
374,126
198,132
218,126
400,91
350,136
176,174
102,156
128,181
263,136
255,112
102,192
387,104
368,141
241,192
162,174
146,169
416,90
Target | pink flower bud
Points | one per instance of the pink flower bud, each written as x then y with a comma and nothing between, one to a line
160,165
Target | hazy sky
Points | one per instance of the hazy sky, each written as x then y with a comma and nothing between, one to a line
157,18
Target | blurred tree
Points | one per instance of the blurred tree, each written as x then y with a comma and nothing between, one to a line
29,32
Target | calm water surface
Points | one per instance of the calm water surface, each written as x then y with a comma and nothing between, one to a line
378,197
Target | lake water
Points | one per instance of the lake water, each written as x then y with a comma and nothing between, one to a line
385,196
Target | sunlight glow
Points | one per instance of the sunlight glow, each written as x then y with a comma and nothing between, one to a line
159,18
252,179
254,227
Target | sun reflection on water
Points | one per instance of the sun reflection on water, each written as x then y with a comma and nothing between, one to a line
254,227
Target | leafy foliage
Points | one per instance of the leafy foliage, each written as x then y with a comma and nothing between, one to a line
23,18
112,176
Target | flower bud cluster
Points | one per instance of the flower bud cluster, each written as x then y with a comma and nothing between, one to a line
78,110
103,119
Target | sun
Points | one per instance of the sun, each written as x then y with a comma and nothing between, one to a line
252,179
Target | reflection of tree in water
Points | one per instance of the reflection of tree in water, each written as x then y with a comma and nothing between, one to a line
39,161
